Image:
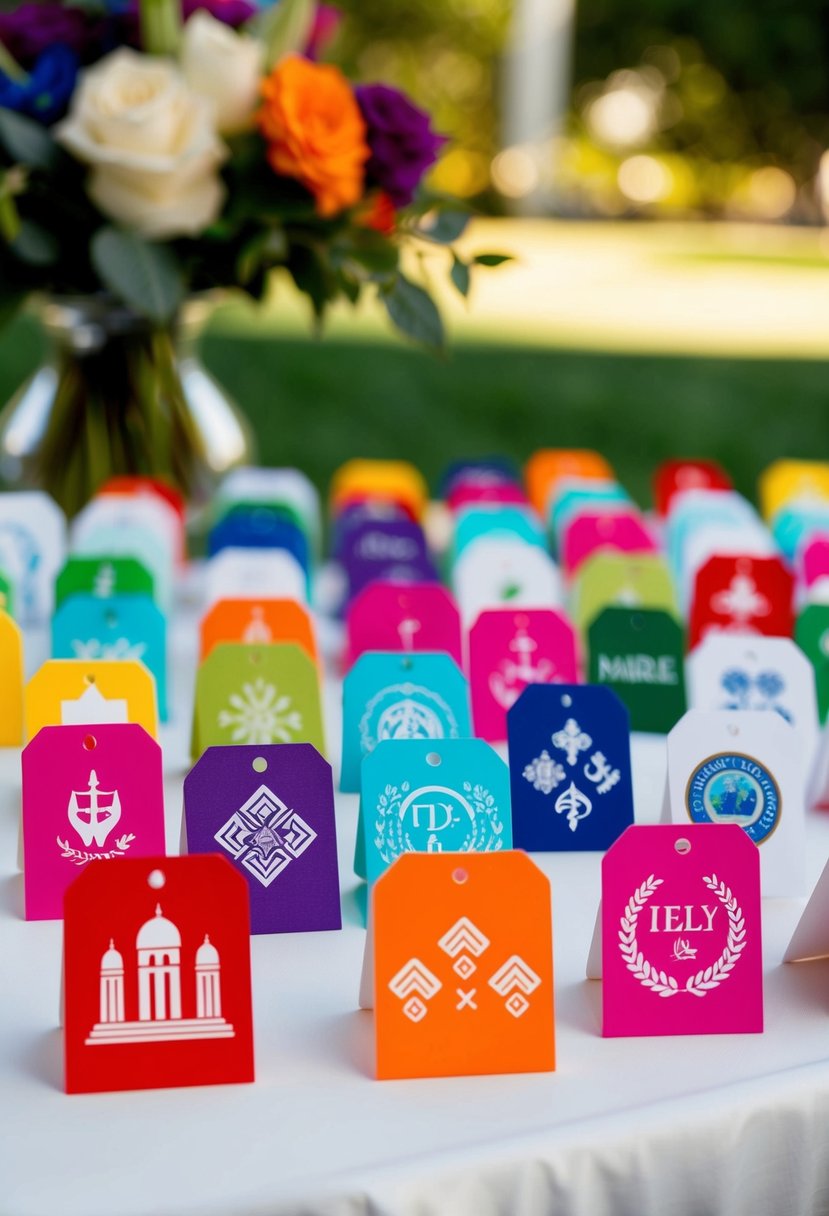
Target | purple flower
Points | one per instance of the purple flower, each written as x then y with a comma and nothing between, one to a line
402,143
30,29
231,12
44,94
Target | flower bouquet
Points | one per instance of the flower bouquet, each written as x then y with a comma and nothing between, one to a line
153,150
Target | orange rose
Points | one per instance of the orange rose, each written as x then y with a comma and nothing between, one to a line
315,131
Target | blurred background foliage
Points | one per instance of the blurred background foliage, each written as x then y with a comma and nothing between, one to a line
682,108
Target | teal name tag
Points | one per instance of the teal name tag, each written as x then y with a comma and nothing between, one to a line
119,627
389,695
422,796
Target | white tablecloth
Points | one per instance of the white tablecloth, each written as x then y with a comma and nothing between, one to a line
647,1127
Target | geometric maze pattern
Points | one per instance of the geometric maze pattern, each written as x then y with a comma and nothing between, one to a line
265,836
415,984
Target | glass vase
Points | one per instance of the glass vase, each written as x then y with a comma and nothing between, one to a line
118,395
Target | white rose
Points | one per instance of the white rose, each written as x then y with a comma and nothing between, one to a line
223,66
151,142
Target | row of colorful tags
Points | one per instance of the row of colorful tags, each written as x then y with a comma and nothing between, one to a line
157,959
750,793
722,568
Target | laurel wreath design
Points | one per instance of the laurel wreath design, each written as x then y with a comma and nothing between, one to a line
391,840
707,978
79,857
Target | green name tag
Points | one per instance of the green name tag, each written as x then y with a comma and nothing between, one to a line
6,594
257,694
609,579
103,576
811,632
638,652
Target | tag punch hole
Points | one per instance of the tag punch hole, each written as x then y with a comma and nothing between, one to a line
90,679
460,876
733,728
407,664
567,700
156,879
90,743
682,846
260,765
433,759
111,619
256,657
637,622
522,621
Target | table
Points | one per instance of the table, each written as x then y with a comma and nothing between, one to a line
669,1127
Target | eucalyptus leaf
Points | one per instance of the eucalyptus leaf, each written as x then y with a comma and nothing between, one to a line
145,276
460,275
35,245
413,311
446,227
492,259
284,27
26,141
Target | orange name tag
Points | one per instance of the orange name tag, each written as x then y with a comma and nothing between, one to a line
257,621
459,966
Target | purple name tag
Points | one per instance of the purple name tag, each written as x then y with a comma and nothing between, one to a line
392,550
269,809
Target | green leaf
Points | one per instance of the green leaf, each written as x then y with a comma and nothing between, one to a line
284,28
460,275
369,251
145,276
447,227
314,277
262,252
492,259
26,141
35,245
413,311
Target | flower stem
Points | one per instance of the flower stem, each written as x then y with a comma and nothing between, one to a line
10,67
160,26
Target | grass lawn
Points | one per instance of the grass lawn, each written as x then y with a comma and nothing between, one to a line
313,404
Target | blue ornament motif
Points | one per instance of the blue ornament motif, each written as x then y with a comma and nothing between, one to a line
733,788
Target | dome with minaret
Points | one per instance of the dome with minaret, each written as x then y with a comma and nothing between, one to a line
207,955
112,960
158,934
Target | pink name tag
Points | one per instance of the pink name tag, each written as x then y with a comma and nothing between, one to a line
509,650
599,530
90,793
681,937
814,561
392,616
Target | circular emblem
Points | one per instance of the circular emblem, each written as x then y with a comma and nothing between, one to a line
733,788
437,819
406,711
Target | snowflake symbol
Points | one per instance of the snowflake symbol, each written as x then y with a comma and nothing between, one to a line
572,740
260,715
544,773
121,648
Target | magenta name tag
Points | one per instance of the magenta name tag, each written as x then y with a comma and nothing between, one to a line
393,616
681,936
813,561
90,793
595,530
508,651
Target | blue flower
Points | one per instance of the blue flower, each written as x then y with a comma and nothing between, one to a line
44,94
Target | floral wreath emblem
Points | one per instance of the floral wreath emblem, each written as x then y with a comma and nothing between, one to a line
79,857
433,703
392,838
703,981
